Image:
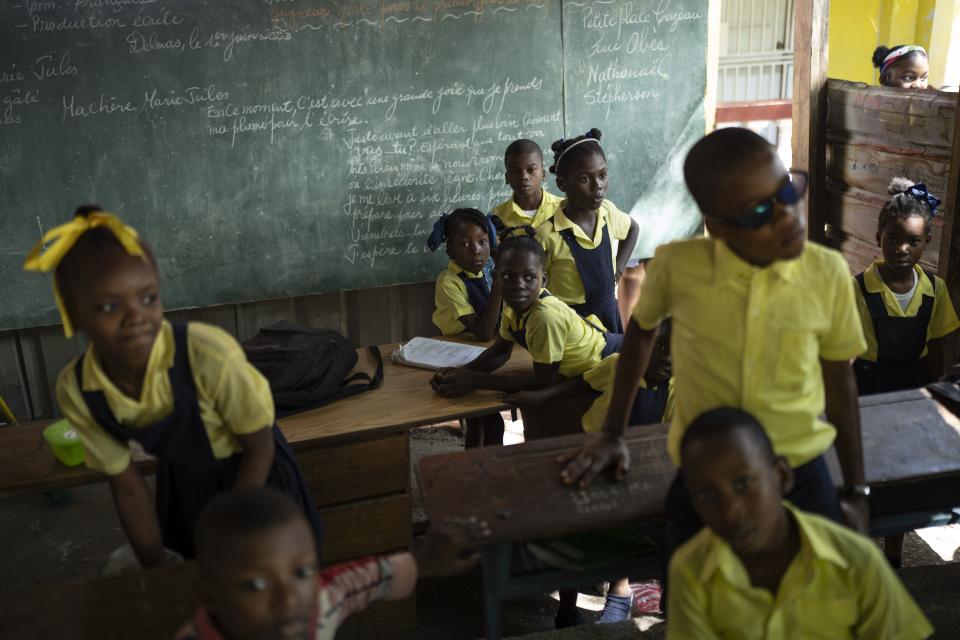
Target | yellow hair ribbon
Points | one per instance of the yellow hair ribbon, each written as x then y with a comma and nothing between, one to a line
60,240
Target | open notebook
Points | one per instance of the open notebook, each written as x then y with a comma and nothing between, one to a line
428,353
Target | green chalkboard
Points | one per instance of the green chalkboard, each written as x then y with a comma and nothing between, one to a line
274,148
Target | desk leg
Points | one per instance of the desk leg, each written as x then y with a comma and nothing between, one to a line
495,561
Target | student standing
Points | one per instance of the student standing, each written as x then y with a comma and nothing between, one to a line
582,265
530,203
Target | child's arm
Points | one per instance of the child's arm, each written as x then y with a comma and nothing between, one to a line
625,250
485,327
457,382
257,458
564,387
462,380
843,412
607,448
131,496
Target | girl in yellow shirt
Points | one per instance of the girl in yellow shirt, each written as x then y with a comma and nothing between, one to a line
184,392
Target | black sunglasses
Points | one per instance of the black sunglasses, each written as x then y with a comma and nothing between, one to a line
762,213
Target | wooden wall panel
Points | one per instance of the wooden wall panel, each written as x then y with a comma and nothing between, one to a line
13,387
45,353
874,134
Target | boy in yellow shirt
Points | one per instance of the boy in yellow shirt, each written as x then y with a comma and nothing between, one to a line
762,320
762,568
531,203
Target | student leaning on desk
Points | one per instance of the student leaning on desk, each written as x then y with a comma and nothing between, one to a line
762,320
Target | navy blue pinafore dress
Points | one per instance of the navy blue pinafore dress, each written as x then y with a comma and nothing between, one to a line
900,343
478,292
188,474
612,341
599,284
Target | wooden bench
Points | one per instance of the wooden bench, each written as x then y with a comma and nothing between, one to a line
911,451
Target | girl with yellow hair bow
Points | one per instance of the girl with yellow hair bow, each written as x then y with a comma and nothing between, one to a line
185,392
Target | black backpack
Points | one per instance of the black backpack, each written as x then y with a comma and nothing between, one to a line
308,367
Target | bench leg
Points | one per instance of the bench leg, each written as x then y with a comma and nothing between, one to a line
495,561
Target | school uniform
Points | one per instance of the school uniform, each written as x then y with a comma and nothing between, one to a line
653,404
897,329
460,293
581,270
553,333
342,590
199,393
752,338
838,586
511,215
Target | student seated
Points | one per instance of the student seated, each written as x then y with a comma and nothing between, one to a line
259,575
579,238
761,319
904,66
530,203
467,298
906,312
761,567
562,344
185,392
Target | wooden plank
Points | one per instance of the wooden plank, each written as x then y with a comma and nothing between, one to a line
367,527
950,242
13,386
45,353
754,111
148,605
418,305
323,311
369,316
858,163
252,316
893,116
359,470
809,104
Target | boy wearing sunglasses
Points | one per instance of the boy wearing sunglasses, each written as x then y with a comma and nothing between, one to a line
762,320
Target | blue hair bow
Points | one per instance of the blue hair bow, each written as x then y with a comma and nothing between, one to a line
438,235
920,194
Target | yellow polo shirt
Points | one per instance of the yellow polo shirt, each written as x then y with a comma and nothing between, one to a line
512,215
600,378
838,586
943,321
450,299
752,337
234,397
555,333
562,274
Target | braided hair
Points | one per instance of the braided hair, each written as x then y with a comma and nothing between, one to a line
571,150
468,216
522,238
903,205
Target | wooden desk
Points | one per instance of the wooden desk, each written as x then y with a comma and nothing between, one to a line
354,454
147,606
911,450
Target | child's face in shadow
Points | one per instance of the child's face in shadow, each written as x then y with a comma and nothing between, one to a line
265,587
469,246
525,174
912,73
902,242
737,489
782,238
584,181
521,277
116,302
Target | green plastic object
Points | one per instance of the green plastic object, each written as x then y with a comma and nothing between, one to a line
64,442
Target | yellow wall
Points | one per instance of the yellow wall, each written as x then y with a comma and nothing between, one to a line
857,27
